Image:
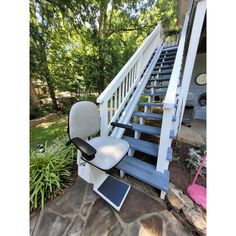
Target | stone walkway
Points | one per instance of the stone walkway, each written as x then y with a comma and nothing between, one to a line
81,212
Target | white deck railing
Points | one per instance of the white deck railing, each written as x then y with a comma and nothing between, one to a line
115,97
169,103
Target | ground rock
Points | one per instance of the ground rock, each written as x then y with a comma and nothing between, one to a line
175,198
187,202
197,218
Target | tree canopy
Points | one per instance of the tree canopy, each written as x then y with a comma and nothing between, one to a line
80,45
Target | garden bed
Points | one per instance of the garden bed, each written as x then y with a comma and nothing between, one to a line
180,175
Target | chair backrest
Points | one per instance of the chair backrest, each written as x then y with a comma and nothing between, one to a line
84,120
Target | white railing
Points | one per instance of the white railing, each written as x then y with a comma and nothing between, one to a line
190,59
115,97
169,103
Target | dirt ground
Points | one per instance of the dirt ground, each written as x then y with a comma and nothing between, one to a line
179,174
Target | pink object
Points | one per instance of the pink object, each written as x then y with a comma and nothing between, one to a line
198,192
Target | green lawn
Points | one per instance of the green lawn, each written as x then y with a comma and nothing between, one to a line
47,131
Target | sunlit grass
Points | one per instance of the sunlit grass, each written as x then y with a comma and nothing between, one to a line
47,131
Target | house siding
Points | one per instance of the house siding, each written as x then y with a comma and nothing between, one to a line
197,90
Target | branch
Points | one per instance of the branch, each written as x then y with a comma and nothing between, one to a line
130,29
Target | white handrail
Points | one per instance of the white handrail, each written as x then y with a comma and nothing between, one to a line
169,103
175,75
115,97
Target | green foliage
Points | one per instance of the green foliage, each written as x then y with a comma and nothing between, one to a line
79,46
194,160
176,159
49,171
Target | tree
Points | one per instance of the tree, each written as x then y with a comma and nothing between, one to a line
79,46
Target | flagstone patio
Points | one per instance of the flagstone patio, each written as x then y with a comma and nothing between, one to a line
80,211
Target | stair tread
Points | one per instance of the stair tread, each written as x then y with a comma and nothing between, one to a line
167,56
174,48
145,172
160,79
147,129
150,104
148,115
164,63
142,146
163,67
161,61
161,73
157,87
155,94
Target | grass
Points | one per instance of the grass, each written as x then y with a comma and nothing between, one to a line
47,131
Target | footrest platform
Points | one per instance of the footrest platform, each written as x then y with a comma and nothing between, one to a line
113,191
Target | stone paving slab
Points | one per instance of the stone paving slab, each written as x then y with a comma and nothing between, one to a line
137,204
81,212
102,220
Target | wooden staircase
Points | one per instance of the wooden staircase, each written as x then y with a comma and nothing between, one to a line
151,106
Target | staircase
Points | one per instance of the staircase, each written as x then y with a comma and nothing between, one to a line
142,100
151,110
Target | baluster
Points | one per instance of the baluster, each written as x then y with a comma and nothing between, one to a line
119,98
115,102
126,84
111,108
130,79
123,90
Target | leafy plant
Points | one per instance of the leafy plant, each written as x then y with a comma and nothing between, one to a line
194,160
49,171
176,159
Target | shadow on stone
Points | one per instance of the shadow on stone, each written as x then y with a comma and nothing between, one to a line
71,200
138,203
102,221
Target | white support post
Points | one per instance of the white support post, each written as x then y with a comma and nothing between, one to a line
165,140
163,194
190,60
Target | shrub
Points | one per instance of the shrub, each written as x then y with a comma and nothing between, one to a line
49,171
194,160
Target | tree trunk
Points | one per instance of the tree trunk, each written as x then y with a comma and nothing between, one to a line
51,90
49,80
33,96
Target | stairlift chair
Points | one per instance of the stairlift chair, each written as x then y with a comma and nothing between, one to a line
97,155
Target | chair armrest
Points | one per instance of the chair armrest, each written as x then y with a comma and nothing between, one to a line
87,150
120,125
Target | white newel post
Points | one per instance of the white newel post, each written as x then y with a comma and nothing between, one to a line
190,60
